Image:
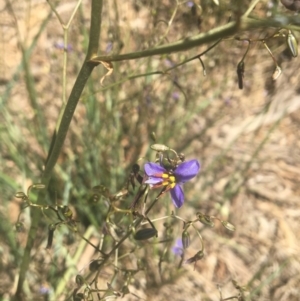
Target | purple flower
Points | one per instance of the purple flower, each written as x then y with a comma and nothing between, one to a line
109,47
60,45
190,3
158,176
177,249
175,95
44,289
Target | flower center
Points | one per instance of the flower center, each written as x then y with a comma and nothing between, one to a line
168,180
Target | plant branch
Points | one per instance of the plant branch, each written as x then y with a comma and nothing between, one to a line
213,35
60,135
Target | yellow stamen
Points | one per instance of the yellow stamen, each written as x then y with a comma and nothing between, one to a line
172,179
172,185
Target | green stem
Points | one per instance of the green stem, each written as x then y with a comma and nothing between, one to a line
204,38
119,243
60,134
243,24
250,8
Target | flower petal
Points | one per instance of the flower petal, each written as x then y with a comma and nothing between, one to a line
186,171
177,196
177,249
153,181
153,169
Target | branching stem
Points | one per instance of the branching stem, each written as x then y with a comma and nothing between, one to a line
60,134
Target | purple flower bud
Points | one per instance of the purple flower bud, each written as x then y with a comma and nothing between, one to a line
177,249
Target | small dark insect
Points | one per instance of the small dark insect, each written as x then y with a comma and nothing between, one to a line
134,175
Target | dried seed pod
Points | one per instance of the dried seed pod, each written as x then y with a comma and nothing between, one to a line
51,230
292,44
199,255
145,234
240,72
95,264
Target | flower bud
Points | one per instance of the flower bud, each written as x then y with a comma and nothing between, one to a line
228,226
153,136
79,280
205,219
66,211
292,44
20,195
39,186
159,147
276,72
145,233
185,239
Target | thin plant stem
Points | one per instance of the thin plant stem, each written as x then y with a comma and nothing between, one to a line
169,23
212,35
39,127
250,8
60,135
119,243
28,52
221,32
65,28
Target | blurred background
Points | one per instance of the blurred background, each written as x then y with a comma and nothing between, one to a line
246,140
